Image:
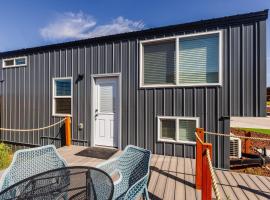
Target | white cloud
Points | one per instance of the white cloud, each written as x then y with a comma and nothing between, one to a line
79,26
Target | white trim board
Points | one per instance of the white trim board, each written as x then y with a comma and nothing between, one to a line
177,141
54,96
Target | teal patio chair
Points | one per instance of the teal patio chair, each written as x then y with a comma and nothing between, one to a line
29,162
132,167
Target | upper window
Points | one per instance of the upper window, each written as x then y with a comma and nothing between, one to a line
182,60
15,62
62,96
177,129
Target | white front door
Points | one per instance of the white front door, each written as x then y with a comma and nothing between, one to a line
106,111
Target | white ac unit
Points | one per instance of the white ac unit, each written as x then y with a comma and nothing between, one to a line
235,147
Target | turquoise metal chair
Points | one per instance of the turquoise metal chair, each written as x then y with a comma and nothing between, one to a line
132,167
29,162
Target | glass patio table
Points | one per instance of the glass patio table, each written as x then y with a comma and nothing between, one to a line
63,183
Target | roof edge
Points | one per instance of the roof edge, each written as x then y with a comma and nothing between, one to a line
227,20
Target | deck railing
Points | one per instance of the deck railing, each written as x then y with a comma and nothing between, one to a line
205,176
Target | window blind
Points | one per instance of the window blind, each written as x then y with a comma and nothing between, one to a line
187,130
106,98
159,62
199,59
63,87
168,129
63,105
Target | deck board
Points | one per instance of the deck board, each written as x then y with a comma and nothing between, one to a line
173,178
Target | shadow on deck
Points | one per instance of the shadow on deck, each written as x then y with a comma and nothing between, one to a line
174,178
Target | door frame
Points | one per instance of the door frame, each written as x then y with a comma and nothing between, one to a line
93,85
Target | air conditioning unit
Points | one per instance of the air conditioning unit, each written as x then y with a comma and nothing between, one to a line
235,147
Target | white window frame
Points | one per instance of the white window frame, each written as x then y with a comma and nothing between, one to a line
176,118
14,58
176,38
54,96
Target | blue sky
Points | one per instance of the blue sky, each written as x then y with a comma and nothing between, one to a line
32,23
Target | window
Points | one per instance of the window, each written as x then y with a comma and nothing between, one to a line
177,129
182,60
15,62
62,96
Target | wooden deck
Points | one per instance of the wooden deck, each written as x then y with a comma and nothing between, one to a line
173,178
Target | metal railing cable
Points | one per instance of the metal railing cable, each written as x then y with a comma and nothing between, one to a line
34,129
237,136
215,188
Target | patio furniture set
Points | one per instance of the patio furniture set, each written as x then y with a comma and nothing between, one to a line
41,173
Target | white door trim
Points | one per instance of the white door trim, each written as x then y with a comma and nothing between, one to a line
110,75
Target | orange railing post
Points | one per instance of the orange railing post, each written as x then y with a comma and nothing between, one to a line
206,180
247,143
68,131
200,133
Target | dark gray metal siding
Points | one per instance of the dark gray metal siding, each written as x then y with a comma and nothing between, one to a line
27,92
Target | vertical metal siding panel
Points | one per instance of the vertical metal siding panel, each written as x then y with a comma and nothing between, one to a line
168,111
75,94
109,58
226,73
159,108
149,119
32,97
236,73
200,106
41,96
125,93
262,68
81,95
102,58
52,75
36,97
255,69
95,59
46,104
88,101
189,99
27,99
168,102
57,73
117,57
141,118
132,92
16,103
179,102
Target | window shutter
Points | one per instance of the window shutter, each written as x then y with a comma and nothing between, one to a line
159,62
187,130
199,59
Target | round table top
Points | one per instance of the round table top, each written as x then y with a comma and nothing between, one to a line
76,182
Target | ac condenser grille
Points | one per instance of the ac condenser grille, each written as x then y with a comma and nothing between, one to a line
235,148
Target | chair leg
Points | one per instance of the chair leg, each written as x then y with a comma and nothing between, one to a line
145,193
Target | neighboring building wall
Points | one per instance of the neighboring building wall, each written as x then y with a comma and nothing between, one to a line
27,91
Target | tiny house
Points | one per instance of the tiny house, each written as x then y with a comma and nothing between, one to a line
150,88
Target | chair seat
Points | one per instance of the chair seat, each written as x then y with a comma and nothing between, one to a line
133,168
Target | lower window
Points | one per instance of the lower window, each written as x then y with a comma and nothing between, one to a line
177,129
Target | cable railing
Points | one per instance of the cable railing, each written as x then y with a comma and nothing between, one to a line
66,120
206,181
